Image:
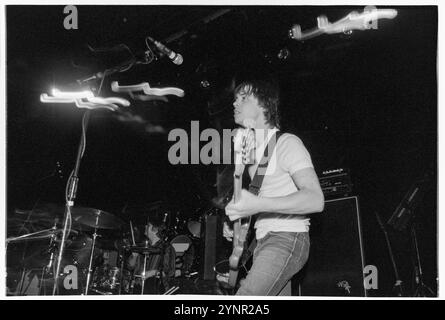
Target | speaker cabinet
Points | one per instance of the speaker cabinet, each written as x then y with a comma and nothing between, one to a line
213,238
336,259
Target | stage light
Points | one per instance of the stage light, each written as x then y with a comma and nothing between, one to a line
109,100
47,99
92,102
136,87
72,94
92,106
164,91
145,87
365,20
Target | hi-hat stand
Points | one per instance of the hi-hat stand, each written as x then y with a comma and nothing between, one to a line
93,246
144,269
46,271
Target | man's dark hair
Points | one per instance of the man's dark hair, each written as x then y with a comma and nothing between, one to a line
268,94
158,224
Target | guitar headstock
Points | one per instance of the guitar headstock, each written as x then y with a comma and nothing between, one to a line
244,145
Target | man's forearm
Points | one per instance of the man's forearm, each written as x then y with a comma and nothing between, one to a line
301,202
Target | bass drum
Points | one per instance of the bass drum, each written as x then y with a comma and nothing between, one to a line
106,280
185,254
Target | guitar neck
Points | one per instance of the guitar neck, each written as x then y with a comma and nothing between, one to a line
237,185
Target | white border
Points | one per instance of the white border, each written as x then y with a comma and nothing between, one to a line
201,2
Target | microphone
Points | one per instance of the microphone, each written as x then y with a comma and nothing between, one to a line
95,76
176,58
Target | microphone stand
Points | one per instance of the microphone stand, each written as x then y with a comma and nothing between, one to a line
422,290
397,288
72,184
73,181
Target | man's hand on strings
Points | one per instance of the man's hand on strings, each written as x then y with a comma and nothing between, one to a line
227,232
247,205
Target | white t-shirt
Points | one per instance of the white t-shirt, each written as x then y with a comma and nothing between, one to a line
292,157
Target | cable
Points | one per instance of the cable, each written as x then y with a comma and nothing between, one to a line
115,48
150,50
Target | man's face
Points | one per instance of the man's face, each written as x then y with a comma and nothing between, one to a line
246,106
150,232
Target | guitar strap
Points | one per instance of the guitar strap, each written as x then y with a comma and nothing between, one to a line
257,181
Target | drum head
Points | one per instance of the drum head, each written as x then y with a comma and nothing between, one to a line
222,269
181,244
194,228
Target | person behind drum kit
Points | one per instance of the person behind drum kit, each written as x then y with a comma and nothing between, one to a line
160,264
290,191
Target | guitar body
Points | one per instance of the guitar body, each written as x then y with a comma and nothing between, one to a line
240,230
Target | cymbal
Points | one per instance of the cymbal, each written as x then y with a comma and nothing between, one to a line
43,210
144,249
44,234
95,218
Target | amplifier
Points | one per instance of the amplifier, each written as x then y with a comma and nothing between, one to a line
336,259
336,182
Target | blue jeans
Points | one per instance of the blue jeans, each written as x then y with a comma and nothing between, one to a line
277,257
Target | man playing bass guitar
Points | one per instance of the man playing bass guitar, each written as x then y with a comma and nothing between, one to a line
289,192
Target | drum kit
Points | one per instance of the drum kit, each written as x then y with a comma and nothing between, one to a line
97,246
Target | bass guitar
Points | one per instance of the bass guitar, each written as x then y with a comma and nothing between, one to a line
244,143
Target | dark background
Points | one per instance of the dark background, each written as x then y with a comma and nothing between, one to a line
366,101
